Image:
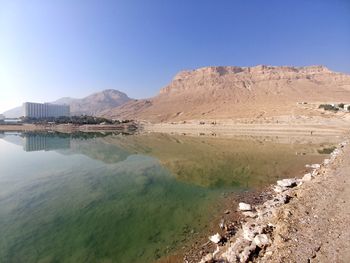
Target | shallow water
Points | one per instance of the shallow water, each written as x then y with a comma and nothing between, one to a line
118,198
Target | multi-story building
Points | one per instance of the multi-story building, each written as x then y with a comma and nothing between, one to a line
2,117
44,110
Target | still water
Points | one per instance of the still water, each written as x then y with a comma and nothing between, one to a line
118,198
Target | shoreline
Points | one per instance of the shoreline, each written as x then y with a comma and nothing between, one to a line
269,129
66,128
195,129
256,235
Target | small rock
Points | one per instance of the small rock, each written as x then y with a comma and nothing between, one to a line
244,207
314,172
247,251
222,224
227,212
262,240
250,231
307,177
313,166
287,182
207,258
216,251
249,214
326,161
279,189
215,238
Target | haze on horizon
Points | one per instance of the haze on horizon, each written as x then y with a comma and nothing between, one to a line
53,49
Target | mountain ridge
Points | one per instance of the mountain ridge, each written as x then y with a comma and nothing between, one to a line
236,92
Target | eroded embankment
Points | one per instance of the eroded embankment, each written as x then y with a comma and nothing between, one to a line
306,220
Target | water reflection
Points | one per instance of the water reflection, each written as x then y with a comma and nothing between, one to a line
67,207
35,142
116,198
202,161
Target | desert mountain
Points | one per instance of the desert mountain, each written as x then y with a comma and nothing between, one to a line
97,102
237,92
14,113
90,105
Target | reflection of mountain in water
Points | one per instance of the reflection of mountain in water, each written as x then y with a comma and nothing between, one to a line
13,138
222,162
203,161
98,149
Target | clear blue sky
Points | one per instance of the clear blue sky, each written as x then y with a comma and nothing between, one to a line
55,48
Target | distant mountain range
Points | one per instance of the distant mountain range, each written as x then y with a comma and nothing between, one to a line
226,92
90,105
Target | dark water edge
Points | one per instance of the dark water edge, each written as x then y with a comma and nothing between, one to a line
116,198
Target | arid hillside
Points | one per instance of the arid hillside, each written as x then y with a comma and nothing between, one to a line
237,92
97,102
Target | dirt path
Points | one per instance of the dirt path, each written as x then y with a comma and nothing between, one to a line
315,225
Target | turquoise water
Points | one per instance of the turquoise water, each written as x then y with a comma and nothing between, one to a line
116,198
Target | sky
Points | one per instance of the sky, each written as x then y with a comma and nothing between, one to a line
58,48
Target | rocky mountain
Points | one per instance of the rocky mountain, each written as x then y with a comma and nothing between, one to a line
237,92
65,100
14,113
97,102
90,105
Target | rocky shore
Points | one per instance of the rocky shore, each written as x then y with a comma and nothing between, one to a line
294,224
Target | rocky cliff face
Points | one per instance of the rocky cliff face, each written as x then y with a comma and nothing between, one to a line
231,92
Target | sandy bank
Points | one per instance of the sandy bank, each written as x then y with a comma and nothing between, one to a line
306,220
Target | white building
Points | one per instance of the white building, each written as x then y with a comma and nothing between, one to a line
2,117
44,110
